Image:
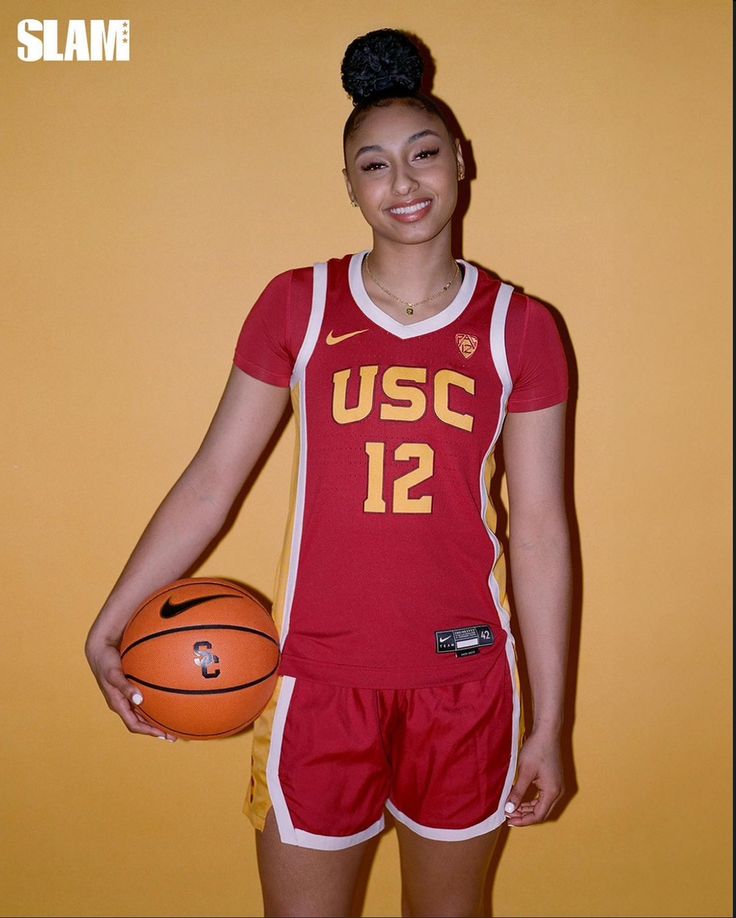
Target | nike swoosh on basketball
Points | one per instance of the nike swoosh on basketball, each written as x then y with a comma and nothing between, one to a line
336,339
169,610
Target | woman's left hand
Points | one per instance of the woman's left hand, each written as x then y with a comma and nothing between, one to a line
539,782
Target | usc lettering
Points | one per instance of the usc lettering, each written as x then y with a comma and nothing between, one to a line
404,395
396,386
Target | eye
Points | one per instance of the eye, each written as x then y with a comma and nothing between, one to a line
428,153
372,166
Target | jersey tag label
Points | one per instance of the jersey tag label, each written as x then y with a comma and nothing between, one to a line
464,642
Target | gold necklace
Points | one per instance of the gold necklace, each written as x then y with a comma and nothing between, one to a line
411,306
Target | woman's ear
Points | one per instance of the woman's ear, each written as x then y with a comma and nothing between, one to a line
460,161
349,188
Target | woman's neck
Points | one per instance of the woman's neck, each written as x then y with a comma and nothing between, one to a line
411,282
412,272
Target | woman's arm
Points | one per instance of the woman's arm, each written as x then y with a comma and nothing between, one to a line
187,520
539,543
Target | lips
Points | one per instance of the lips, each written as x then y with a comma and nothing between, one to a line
411,211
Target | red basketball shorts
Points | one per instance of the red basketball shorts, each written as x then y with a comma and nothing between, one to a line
329,759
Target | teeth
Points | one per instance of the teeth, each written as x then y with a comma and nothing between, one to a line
410,210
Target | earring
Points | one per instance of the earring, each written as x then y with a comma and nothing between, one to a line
460,174
354,203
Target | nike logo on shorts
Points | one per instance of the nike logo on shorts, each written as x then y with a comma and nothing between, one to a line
336,339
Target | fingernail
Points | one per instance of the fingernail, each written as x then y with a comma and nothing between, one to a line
137,698
509,808
160,737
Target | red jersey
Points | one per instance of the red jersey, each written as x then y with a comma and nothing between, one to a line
391,574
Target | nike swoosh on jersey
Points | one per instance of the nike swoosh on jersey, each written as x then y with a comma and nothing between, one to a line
336,339
169,610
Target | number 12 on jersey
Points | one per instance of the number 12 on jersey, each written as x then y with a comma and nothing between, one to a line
401,502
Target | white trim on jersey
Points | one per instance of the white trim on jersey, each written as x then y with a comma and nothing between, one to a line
500,360
288,833
498,344
319,298
424,326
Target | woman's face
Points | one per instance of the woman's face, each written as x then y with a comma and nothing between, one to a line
402,170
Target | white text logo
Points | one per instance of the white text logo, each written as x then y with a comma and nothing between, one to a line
85,40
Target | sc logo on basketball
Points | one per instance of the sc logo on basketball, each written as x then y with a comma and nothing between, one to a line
83,40
204,658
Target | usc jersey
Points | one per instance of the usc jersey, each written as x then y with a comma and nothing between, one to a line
391,574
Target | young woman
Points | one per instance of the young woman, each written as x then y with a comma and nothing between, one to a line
398,686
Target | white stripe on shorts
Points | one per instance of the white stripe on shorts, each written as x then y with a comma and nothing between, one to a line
287,831
487,825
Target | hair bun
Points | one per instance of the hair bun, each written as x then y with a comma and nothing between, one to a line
382,63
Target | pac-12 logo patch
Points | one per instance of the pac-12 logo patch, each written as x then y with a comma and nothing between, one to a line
466,345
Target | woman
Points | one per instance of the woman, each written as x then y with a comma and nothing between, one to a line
398,684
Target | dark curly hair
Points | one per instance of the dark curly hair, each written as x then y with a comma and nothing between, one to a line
378,68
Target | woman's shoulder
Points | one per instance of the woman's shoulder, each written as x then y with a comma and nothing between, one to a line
523,307
304,273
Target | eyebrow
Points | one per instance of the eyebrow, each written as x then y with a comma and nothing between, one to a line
375,148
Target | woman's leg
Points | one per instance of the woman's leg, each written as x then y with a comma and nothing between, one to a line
443,878
304,882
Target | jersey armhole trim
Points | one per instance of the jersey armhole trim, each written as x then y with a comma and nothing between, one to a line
319,296
498,340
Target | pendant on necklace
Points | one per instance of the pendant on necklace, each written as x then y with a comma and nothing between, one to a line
410,310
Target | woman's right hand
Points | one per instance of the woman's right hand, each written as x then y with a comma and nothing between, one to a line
122,696
186,522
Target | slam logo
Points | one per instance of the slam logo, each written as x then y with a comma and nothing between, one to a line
84,40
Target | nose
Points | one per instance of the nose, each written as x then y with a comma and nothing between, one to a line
404,181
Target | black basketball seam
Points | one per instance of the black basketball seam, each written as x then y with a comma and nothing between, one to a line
217,691
150,637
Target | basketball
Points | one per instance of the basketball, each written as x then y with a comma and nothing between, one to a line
205,654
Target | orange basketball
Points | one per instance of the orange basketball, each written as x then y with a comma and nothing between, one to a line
205,654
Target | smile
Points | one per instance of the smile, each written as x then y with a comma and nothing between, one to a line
410,209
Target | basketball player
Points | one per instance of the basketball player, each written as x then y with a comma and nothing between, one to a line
398,686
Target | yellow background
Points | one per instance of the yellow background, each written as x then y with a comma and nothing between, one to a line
144,207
